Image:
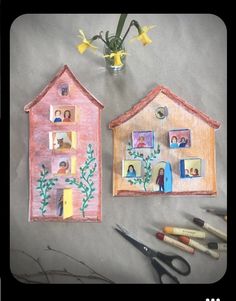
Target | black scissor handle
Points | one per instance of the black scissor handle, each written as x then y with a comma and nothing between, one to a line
162,272
185,268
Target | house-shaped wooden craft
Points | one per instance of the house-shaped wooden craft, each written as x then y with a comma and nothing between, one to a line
64,152
163,145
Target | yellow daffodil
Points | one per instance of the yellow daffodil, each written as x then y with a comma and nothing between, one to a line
82,47
143,37
117,57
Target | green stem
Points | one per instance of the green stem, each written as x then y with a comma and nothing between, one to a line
144,186
120,24
127,31
99,37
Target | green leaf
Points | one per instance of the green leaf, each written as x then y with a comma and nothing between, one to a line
107,37
120,24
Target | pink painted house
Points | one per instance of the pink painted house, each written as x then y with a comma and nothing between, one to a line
64,152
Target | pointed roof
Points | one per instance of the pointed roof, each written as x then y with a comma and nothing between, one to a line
52,82
150,97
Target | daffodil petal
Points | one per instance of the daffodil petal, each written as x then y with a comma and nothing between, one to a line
82,34
147,28
82,47
92,46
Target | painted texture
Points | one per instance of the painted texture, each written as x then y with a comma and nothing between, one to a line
202,146
87,129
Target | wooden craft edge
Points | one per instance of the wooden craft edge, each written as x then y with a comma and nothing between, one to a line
141,104
145,193
71,220
52,82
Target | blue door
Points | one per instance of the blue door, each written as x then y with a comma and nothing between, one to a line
168,178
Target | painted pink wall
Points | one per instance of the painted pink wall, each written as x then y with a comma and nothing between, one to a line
87,128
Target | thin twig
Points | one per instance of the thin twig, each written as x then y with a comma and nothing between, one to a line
64,273
80,262
36,260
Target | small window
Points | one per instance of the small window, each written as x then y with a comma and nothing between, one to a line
143,139
61,141
180,138
64,165
62,114
191,168
63,89
131,168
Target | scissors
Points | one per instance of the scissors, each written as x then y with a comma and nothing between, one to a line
155,256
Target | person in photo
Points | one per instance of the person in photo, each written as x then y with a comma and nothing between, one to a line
160,179
57,116
131,172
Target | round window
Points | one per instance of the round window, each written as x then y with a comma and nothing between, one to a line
161,112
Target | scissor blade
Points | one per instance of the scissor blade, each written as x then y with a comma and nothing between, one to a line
141,247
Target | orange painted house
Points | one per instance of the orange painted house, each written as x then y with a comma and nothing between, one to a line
165,146
64,152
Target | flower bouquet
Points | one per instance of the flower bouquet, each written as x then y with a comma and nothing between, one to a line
114,50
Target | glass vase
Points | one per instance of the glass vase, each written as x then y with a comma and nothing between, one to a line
110,61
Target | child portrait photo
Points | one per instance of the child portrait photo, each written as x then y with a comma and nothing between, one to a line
179,138
143,139
60,114
61,165
191,168
131,168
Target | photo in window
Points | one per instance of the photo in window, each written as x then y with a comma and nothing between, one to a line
143,139
63,165
131,168
62,140
191,168
180,138
64,113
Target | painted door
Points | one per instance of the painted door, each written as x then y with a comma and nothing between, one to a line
67,203
168,178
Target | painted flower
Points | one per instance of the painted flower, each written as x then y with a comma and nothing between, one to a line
82,47
143,37
117,57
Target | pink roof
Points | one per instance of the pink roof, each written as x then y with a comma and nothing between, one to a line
52,82
150,97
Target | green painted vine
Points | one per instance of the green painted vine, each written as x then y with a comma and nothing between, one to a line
86,185
44,185
146,179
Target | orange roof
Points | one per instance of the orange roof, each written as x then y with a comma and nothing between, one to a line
52,82
150,97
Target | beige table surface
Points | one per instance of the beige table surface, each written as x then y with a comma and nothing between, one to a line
188,55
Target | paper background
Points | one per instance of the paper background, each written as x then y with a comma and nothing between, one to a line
188,55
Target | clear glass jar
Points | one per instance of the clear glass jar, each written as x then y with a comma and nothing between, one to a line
110,60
